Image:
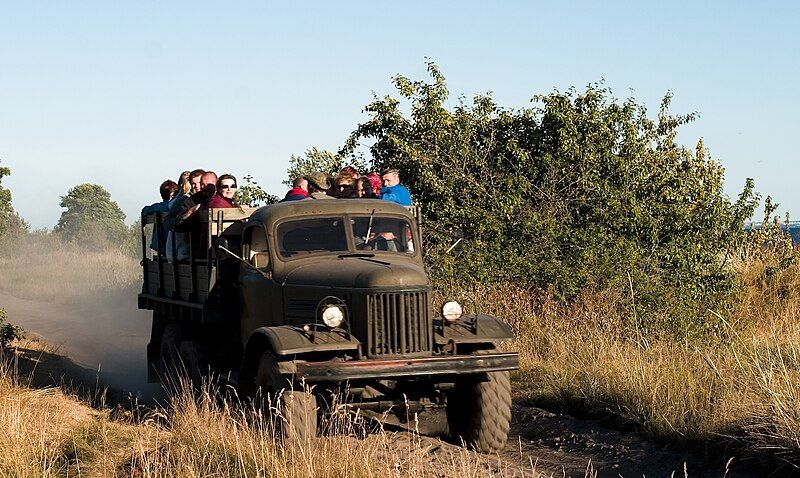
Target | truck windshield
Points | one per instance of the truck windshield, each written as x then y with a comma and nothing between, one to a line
379,233
370,233
307,236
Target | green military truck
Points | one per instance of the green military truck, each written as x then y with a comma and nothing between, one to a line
330,296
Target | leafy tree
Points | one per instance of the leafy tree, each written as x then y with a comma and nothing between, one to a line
10,222
320,160
579,191
91,216
253,195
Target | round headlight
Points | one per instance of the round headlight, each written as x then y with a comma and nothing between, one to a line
452,311
333,316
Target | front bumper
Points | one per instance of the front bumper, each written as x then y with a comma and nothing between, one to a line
335,371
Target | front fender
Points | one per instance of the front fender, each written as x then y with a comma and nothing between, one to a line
472,329
286,340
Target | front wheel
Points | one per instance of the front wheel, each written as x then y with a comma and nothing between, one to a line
479,412
296,410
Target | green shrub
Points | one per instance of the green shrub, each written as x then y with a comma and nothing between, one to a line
8,332
580,191
253,195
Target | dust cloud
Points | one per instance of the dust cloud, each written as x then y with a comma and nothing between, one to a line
83,303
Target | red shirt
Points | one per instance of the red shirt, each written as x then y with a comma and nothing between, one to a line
219,202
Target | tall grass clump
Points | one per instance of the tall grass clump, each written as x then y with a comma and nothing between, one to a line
34,424
210,437
49,433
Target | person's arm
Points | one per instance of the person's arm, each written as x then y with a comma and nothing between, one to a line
162,206
188,207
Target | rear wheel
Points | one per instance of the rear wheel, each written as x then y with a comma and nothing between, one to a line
295,410
479,412
194,362
169,352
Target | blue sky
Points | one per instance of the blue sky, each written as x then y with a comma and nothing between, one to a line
127,94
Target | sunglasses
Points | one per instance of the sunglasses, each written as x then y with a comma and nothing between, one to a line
228,186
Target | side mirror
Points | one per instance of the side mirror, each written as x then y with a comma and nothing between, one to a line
458,236
459,242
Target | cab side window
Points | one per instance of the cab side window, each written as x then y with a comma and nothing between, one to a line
255,247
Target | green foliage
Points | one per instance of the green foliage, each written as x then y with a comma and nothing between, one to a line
11,224
771,243
319,160
8,332
579,191
252,195
91,218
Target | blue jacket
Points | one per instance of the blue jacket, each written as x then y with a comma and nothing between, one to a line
162,206
397,193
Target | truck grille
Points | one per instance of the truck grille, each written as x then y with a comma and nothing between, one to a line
398,324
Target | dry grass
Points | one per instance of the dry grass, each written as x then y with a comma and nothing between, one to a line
207,438
38,266
50,434
738,385
46,432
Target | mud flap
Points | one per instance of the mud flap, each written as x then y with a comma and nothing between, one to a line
152,362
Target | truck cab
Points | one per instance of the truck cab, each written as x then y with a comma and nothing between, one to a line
331,295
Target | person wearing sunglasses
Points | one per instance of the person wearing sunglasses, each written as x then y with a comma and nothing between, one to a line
226,190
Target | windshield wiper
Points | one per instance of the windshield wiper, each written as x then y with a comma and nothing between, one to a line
369,228
376,261
356,254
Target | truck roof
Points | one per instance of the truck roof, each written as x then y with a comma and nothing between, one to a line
276,212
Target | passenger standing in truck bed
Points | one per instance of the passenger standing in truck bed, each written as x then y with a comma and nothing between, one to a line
392,189
181,247
299,190
167,190
226,189
185,215
318,183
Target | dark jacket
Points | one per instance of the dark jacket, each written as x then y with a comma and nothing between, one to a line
179,220
346,192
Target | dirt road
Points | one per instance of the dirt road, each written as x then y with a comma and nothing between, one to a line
107,338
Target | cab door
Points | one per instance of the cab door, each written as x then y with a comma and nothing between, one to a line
260,294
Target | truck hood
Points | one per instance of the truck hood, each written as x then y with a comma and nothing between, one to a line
358,273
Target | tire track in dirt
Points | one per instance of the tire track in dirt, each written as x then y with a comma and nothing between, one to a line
106,335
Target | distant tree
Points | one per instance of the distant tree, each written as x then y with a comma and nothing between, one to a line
320,160
252,195
91,216
131,243
11,223
579,192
